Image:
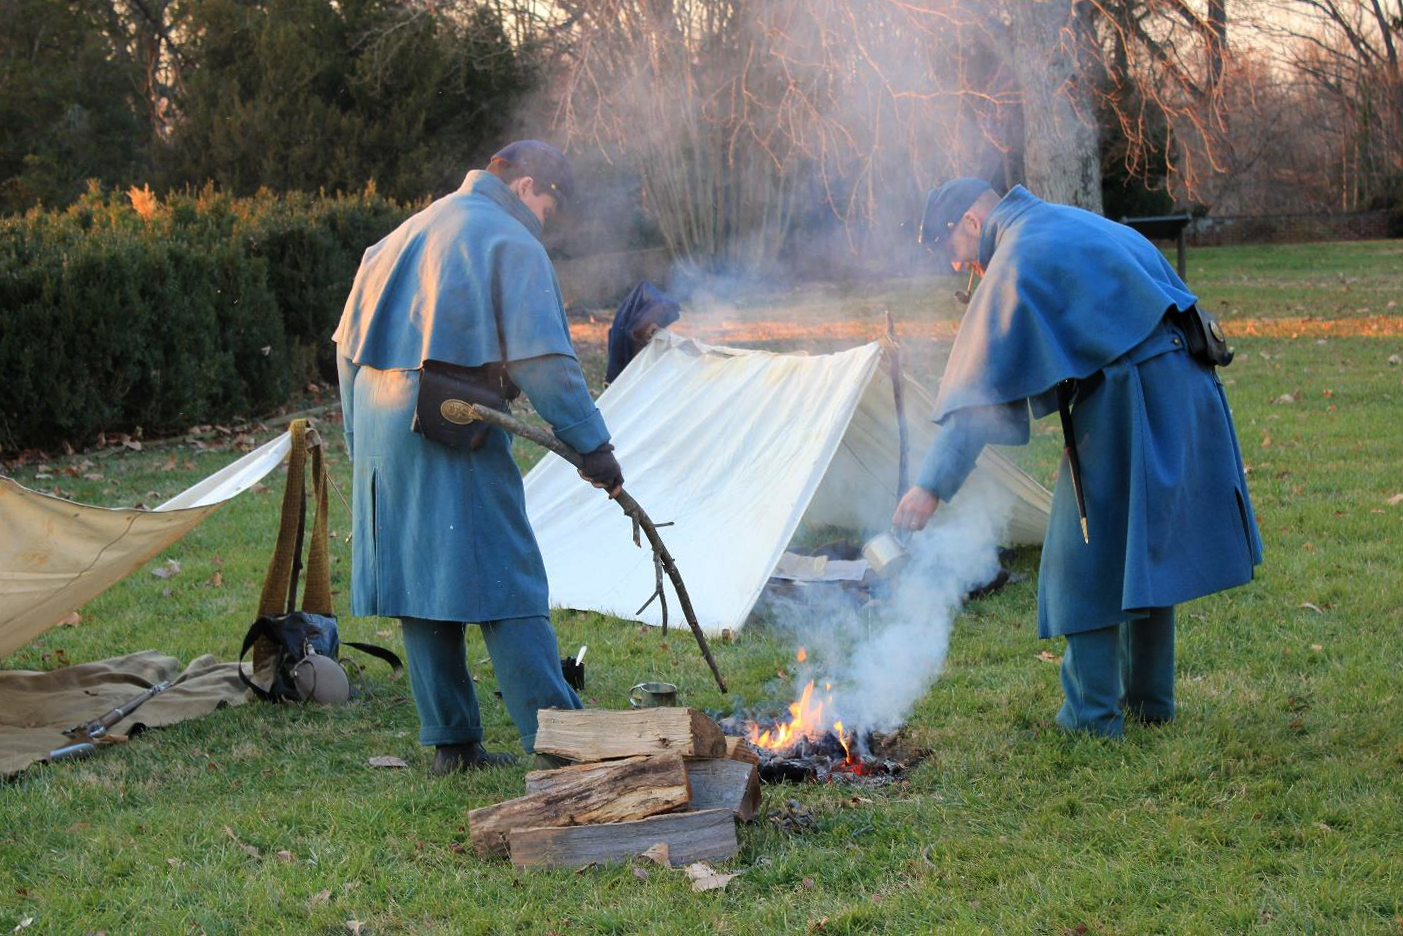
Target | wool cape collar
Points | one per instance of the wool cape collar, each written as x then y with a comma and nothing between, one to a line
1065,293
465,281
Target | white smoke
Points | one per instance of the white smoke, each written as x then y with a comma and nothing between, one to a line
876,662
900,653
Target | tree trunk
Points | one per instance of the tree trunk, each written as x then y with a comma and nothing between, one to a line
1061,161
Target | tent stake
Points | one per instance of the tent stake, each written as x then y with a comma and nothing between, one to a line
629,506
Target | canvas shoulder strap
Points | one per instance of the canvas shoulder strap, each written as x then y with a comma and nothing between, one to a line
279,594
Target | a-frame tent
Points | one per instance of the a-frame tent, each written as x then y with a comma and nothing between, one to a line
739,449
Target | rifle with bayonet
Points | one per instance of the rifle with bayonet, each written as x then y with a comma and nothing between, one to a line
85,737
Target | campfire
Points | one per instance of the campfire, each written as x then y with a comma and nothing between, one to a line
813,745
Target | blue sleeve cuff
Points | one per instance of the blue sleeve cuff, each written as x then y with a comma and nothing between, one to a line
556,388
586,435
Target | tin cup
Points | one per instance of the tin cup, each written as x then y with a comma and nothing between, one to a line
885,554
652,695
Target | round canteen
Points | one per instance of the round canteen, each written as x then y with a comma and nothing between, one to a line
321,679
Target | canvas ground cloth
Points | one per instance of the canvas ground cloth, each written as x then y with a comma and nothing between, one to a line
739,448
55,555
36,707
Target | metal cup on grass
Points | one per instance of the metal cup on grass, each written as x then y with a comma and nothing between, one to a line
652,695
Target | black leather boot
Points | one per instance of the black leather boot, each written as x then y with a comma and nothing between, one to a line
456,758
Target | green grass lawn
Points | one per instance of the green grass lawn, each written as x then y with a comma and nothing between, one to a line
1274,804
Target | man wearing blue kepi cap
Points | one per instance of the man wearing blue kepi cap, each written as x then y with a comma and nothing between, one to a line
1084,316
441,538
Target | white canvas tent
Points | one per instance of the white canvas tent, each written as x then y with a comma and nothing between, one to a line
56,555
739,448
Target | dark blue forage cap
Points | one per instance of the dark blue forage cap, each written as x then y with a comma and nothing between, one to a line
544,163
946,205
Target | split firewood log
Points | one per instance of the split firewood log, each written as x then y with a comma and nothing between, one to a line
634,788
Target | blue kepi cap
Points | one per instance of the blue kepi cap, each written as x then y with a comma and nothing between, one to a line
544,163
946,205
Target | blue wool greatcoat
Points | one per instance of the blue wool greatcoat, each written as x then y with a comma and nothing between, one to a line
1068,294
441,533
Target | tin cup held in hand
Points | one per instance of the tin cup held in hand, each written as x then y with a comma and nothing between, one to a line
652,695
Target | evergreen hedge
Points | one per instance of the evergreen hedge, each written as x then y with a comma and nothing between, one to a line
198,309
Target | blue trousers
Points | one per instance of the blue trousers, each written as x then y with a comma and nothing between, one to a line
1126,668
524,655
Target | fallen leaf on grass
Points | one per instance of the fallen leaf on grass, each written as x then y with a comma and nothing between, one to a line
1309,606
354,927
1047,657
640,873
1316,647
1394,360
286,855
320,897
174,862
24,924
250,850
166,571
71,619
385,760
705,878
216,580
658,854
1395,500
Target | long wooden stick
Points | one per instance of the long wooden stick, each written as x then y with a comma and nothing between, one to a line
630,507
893,348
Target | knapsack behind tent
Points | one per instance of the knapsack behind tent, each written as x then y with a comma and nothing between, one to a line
56,555
738,447
644,310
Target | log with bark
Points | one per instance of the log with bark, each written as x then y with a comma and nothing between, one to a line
721,783
634,788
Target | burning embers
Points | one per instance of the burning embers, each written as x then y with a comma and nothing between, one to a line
813,744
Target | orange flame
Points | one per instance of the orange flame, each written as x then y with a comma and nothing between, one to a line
805,721
802,654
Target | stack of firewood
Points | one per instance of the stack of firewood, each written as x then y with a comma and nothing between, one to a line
639,778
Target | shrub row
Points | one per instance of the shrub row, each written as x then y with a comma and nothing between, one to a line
120,313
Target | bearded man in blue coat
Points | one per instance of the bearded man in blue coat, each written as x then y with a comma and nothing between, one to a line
1074,306
441,538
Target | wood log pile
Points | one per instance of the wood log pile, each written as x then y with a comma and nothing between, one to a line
639,778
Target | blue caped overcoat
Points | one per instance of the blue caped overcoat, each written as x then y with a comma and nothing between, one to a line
441,533
1068,294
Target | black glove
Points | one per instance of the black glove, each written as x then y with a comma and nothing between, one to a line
602,468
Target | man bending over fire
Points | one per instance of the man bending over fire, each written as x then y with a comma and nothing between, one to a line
1081,315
